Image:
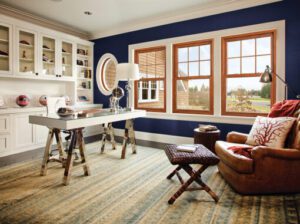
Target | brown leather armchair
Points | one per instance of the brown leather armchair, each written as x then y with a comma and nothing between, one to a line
269,170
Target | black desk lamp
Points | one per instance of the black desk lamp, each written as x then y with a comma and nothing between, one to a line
266,77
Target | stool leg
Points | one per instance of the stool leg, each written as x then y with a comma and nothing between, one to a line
125,140
112,135
132,136
69,162
86,167
173,172
198,179
47,153
182,189
104,138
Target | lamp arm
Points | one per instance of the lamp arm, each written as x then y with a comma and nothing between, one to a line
288,87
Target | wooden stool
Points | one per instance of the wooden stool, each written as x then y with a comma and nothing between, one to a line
183,159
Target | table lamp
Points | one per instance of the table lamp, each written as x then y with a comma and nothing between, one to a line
128,72
266,77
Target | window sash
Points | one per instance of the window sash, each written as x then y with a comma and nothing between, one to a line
225,75
160,69
176,78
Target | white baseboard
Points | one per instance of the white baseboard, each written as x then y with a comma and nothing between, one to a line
160,138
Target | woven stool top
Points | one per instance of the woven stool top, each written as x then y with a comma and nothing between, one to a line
202,155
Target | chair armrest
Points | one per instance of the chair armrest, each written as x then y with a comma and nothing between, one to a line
237,137
280,153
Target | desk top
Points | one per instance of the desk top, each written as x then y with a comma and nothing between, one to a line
67,123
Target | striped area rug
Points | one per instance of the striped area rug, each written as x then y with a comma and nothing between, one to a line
134,190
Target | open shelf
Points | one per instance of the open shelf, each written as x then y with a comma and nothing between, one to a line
3,41
26,59
26,46
3,56
48,50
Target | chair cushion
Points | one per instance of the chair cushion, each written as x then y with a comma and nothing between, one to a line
270,132
237,162
202,155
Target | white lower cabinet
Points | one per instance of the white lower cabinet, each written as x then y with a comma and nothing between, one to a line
4,143
41,133
18,135
23,132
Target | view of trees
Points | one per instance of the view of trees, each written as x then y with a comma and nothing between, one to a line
199,97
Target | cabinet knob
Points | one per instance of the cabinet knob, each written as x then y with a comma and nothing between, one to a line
56,75
36,73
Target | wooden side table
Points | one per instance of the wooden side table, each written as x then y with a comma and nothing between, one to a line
208,138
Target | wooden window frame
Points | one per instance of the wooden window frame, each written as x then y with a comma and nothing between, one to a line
224,76
209,77
164,79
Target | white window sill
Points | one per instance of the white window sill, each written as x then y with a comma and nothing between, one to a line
202,118
148,101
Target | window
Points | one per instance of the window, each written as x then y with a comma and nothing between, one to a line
193,77
150,89
244,58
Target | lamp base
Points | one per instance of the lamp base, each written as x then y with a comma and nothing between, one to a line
129,109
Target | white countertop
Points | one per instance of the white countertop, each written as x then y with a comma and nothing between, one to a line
68,123
16,110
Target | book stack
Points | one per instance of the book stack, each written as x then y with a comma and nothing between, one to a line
205,128
186,148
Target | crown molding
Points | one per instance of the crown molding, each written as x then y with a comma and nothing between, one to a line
221,6
28,17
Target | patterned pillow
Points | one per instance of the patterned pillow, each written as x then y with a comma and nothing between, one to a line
270,132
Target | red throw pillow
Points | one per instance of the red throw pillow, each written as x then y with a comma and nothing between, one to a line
285,108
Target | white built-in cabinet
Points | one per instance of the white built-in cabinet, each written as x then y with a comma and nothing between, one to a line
26,48
5,129
31,53
24,135
6,34
41,133
28,51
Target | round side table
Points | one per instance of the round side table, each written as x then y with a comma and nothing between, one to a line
208,138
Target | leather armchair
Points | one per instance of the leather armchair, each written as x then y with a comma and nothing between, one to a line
270,170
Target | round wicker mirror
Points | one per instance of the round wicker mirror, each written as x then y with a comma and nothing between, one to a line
106,74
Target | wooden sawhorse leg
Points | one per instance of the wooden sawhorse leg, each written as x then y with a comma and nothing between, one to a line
77,137
108,130
194,176
129,135
47,154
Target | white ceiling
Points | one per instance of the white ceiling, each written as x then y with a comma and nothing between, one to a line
112,16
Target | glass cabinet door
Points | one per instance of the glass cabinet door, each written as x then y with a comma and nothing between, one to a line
27,52
48,56
5,49
67,59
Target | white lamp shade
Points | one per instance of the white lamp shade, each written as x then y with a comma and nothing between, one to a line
128,71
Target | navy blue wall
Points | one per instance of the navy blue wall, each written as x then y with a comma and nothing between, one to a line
118,45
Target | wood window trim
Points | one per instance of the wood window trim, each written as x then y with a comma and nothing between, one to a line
224,75
136,104
210,77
